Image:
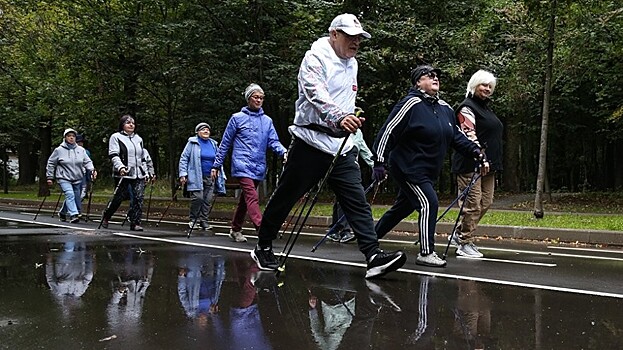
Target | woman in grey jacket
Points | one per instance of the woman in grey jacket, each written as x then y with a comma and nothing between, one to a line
130,166
67,165
195,171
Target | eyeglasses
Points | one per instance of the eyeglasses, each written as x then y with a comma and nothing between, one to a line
256,97
350,37
432,75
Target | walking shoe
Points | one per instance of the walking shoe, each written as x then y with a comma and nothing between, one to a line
192,224
136,228
467,250
431,260
265,259
62,217
454,239
474,247
237,236
347,236
207,228
334,236
105,223
74,219
382,263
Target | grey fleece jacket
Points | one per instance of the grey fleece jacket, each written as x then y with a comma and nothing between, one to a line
68,162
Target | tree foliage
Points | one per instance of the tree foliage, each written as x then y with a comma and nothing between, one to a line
172,64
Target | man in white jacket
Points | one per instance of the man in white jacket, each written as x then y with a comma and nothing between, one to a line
325,115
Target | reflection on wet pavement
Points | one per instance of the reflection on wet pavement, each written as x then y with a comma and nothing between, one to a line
76,294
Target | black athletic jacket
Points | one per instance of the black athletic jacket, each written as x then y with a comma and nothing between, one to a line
416,137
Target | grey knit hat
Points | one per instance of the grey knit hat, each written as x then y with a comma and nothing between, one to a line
68,131
253,87
201,126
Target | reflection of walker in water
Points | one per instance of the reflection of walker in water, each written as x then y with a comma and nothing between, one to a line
134,271
329,318
70,271
472,315
247,331
199,282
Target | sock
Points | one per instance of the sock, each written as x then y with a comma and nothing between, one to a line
265,245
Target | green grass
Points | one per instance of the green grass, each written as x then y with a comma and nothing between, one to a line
594,211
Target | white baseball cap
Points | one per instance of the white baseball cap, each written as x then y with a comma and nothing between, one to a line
349,24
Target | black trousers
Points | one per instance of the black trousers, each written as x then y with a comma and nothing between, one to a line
134,190
305,167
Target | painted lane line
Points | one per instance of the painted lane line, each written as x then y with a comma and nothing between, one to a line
587,249
404,270
519,262
47,224
535,252
396,241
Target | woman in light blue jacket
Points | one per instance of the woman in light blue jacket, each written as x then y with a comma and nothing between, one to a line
250,133
195,170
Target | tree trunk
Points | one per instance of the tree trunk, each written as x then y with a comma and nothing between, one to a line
540,180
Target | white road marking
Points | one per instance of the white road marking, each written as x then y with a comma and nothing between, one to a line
48,224
520,262
620,251
411,271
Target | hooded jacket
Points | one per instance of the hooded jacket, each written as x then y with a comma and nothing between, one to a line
416,136
250,134
126,151
327,88
67,162
190,166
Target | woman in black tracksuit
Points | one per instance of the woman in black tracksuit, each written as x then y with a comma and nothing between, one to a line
412,145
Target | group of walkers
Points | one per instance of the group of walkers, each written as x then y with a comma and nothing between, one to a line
411,146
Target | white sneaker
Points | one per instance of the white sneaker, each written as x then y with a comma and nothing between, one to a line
432,260
237,236
192,224
454,239
467,250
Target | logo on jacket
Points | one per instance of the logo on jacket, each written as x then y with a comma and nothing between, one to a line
354,87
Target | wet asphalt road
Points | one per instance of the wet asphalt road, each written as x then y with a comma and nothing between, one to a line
75,287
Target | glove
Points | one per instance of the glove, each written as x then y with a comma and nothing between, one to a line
483,163
379,173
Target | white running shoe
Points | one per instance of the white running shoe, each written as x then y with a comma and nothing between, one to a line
432,260
237,236
467,250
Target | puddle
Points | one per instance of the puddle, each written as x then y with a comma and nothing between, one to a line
76,293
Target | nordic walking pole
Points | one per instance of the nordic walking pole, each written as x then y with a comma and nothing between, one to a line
41,205
173,198
151,190
475,178
298,218
110,202
332,228
57,201
298,206
86,219
197,215
313,201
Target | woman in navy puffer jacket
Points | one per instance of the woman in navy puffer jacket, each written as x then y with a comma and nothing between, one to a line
250,133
